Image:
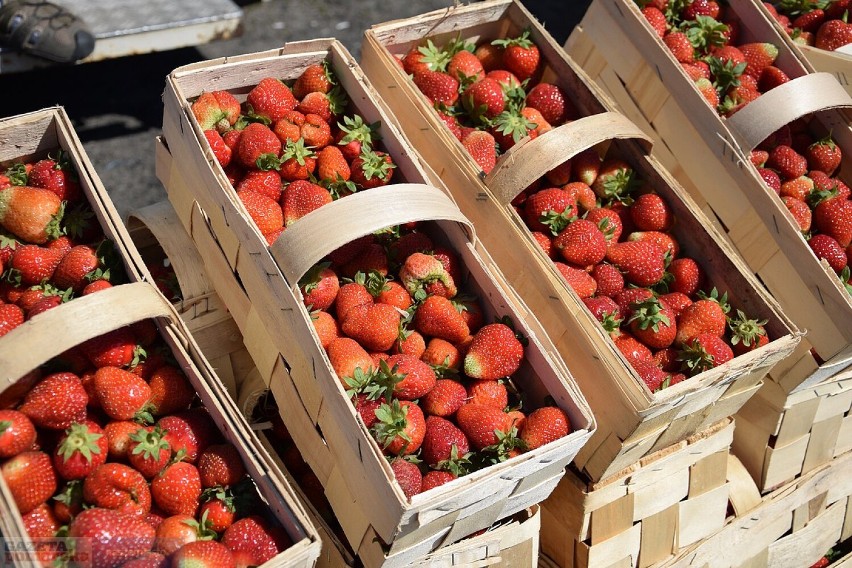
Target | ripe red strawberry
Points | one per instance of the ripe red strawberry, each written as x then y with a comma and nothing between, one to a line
258,147
221,151
216,109
824,155
178,530
544,425
114,537
550,210
703,352
411,378
800,211
171,391
799,188
770,78
220,464
56,402
484,99
687,276
218,506
606,311
271,98
319,287
121,394
264,182
436,478
833,34
833,217
632,349
189,430
758,56
42,523
651,374
650,212
642,263
443,442
177,488
347,357
438,317
680,46
350,295
316,77
372,168
701,317
17,433
406,473
354,134
394,294
300,198
653,323
11,316
609,279
315,132
327,105
697,8
490,392
57,176
118,438
30,478
479,423
494,353
578,280
81,449
581,243
657,20
254,541
439,87
400,427
35,264
520,55
119,487
708,91
265,213
482,148
96,286
465,66
332,165
445,398
289,127
374,326
615,180
552,103
74,268
326,327
115,349
827,248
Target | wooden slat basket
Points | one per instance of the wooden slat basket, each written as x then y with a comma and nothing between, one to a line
780,436
280,335
644,515
632,421
41,338
709,156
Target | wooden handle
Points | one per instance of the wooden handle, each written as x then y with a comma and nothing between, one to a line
55,331
163,223
331,226
531,158
784,104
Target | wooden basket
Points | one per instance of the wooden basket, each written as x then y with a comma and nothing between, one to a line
670,499
632,421
708,155
157,233
282,341
792,527
780,436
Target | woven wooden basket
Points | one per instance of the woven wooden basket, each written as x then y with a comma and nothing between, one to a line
632,421
708,155
282,341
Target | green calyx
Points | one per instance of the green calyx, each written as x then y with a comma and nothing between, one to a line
356,129
296,151
726,74
513,124
79,439
392,423
365,382
456,464
311,279
149,444
434,57
619,185
694,358
522,40
714,296
705,33
17,174
745,330
557,221
337,100
374,164
373,281
649,313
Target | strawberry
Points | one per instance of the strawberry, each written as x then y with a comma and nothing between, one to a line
465,66
708,91
442,356
218,509
758,56
178,530
349,359
585,166
578,280
452,123
701,317
616,180
326,327
632,349
704,351
490,56
606,311
400,428
494,353
546,244
653,323
827,248
270,99
171,391
833,34
770,78
489,392
11,316
17,433
114,537
115,348
372,169
550,210
798,188
216,109
119,487
81,449
482,148
484,98
394,294
258,147
30,478
42,523
438,317
410,377
436,478
800,211
581,243
254,541
326,105
319,287
300,198
406,473
264,182
687,277
656,19
409,343
354,135
650,212
315,132
221,151
57,176
56,402
265,212
374,326
420,270
520,55
316,77
651,374
118,438
35,264
75,267
551,101
680,46
787,162
642,263
372,260
445,398
443,442
148,451
350,295
544,425
332,165
189,430
608,221
833,217
438,87
696,8
220,464
535,123
483,425
177,488
121,394
747,334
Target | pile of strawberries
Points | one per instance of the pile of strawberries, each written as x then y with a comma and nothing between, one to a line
803,171
489,95
820,23
288,150
705,41
108,444
610,236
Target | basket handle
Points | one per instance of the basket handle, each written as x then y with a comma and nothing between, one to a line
531,158
331,226
55,331
782,105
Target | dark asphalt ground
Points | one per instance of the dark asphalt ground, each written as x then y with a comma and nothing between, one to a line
116,105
